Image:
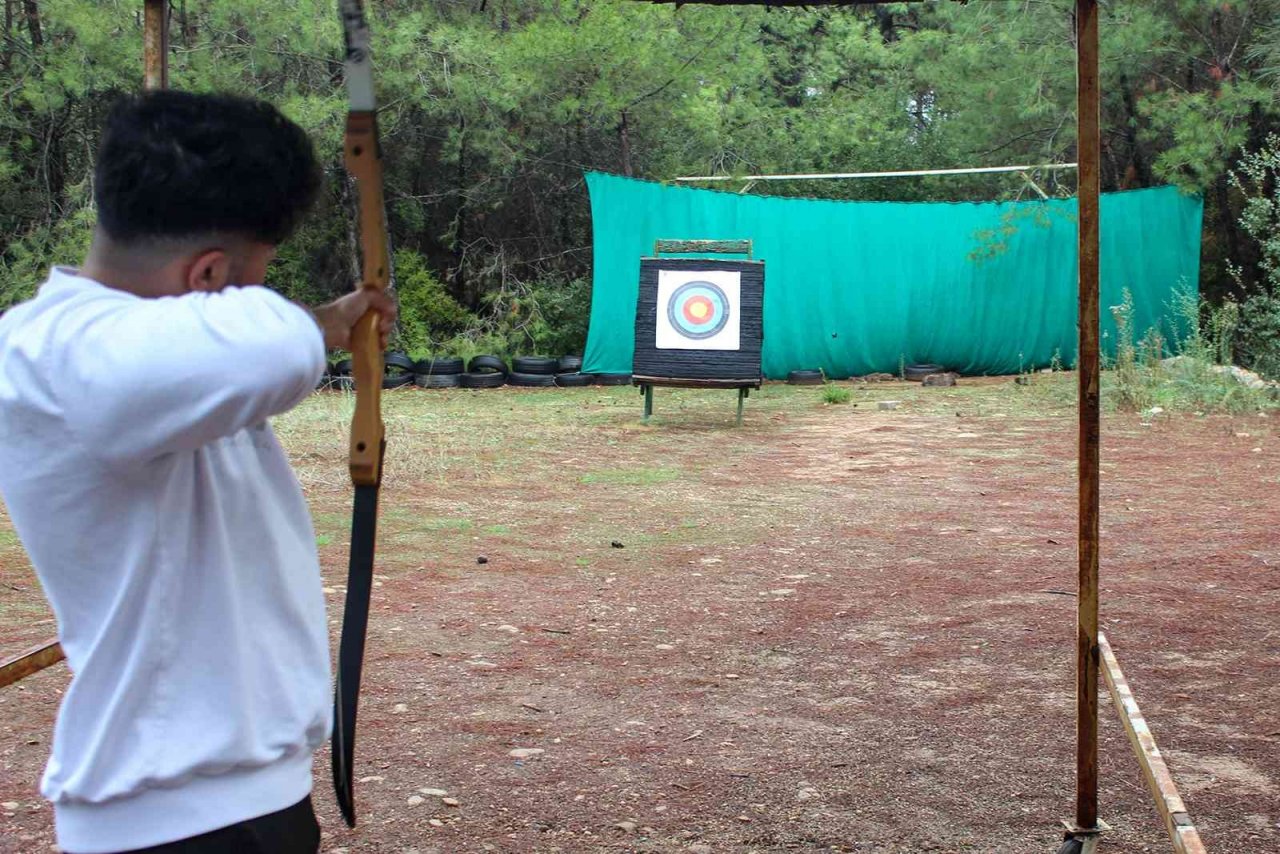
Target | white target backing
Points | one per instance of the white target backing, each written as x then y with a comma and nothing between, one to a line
699,310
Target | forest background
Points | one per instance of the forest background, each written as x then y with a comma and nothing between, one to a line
492,110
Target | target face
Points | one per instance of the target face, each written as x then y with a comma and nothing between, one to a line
698,309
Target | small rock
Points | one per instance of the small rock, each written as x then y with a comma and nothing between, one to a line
450,802
10,805
731,676
510,629
374,779
664,646
782,591
526,752
482,559
414,800
435,822
617,544
481,664
700,848
433,793
940,380
745,819
626,826
399,709
886,405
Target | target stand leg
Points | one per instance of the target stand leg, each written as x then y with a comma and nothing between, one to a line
648,402
742,395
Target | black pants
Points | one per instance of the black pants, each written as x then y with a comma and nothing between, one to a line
293,830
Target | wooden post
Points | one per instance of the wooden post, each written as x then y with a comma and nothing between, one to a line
32,661
1088,369
155,45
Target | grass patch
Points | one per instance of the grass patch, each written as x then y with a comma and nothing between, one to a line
632,476
835,394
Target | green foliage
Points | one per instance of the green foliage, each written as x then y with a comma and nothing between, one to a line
835,394
26,261
491,113
1258,341
428,314
1197,379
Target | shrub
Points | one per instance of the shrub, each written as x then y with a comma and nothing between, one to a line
428,314
836,394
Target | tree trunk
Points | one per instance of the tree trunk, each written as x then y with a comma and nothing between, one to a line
6,59
624,140
33,23
1141,170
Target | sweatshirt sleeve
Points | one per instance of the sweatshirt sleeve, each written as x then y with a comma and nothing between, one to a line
150,377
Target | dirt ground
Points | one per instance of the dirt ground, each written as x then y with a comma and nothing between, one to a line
836,628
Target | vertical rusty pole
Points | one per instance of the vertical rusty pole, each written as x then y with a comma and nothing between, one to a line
155,45
1088,369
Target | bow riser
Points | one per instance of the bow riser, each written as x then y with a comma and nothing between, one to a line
364,163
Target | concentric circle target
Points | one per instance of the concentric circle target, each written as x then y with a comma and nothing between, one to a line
698,310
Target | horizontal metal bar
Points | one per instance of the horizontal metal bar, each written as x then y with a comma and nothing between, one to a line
983,170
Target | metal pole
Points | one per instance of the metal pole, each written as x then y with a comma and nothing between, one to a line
155,45
1088,368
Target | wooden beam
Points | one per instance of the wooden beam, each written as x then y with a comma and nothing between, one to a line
712,247
1173,812
155,45
32,661
1088,368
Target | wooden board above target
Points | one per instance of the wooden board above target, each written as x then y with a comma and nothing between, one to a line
700,319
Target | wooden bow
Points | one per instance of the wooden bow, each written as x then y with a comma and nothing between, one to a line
363,158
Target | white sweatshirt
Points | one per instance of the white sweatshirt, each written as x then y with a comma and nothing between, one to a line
173,541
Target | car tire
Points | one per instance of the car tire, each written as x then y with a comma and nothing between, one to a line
916,373
534,365
805,378
531,380
574,379
569,365
397,380
439,365
437,380
488,379
481,364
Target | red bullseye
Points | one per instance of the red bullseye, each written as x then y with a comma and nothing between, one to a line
698,310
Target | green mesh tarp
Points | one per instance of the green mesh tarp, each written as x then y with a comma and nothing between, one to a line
859,287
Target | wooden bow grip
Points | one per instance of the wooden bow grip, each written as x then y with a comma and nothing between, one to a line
364,163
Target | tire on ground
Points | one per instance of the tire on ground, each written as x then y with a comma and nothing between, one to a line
574,379
916,373
397,380
437,380
531,380
613,379
805,378
488,379
569,365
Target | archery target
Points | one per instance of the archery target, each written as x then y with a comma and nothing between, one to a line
698,310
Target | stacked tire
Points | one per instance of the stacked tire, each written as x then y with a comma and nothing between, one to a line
569,373
533,371
484,372
438,372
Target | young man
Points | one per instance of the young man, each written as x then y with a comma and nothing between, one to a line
164,521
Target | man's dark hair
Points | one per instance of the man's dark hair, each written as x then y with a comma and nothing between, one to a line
177,164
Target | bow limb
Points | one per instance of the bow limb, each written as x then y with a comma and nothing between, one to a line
363,157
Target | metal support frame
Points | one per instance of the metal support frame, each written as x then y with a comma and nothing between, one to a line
646,389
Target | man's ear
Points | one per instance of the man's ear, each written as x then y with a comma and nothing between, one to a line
209,272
